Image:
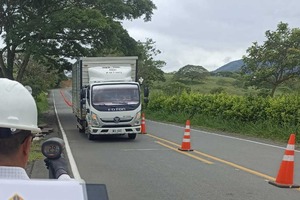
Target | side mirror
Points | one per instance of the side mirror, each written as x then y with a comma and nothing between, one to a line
146,91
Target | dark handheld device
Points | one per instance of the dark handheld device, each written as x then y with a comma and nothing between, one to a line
53,148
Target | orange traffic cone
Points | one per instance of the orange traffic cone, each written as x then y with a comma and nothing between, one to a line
143,126
286,171
186,141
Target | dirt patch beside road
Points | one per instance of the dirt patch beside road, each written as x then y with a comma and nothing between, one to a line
66,83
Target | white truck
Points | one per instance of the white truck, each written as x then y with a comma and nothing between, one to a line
106,96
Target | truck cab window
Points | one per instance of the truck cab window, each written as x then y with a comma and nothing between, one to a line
106,96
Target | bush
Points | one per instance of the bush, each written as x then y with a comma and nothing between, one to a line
175,88
42,102
282,110
217,90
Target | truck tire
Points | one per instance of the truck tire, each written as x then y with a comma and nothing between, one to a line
132,136
90,136
82,124
81,130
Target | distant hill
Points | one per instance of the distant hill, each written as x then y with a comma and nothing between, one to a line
193,68
231,67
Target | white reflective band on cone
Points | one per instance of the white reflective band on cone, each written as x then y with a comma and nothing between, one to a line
290,147
187,126
288,158
186,133
186,140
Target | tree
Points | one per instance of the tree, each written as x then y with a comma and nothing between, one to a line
149,68
226,74
274,62
39,77
52,30
175,88
191,72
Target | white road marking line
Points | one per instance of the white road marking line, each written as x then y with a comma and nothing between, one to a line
67,146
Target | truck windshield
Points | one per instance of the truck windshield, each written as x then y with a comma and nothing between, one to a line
115,97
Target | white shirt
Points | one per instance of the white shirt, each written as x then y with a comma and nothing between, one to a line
20,173
13,173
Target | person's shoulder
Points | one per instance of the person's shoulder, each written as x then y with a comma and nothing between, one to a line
65,177
13,172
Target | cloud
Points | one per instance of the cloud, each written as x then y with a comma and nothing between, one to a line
211,33
210,60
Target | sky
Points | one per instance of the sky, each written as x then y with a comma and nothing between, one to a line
211,33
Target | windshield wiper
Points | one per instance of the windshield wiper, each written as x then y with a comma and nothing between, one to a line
120,102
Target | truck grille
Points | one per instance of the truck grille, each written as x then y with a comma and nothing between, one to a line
112,120
115,126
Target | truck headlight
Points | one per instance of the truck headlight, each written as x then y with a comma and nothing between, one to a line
94,120
137,118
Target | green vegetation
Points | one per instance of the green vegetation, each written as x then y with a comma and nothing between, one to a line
149,68
49,32
191,72
283,110
42,102
43,106
35,151
224,104
269,65
40,78
208,85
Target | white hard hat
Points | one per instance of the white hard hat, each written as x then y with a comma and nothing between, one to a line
17,107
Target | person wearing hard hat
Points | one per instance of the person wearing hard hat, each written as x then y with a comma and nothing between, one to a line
18,124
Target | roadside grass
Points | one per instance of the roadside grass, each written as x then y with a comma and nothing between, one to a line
42,103
263,130
35,151
42,106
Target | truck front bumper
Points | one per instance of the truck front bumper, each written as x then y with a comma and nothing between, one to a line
115,130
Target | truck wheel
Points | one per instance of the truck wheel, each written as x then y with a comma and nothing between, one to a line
90,136
132,136
81,130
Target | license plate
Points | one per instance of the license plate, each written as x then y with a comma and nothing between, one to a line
117,130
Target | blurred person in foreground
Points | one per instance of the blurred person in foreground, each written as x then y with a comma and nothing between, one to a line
18,125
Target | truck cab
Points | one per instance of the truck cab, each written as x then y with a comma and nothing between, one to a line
113,108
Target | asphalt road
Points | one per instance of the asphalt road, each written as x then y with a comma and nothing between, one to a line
150,167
